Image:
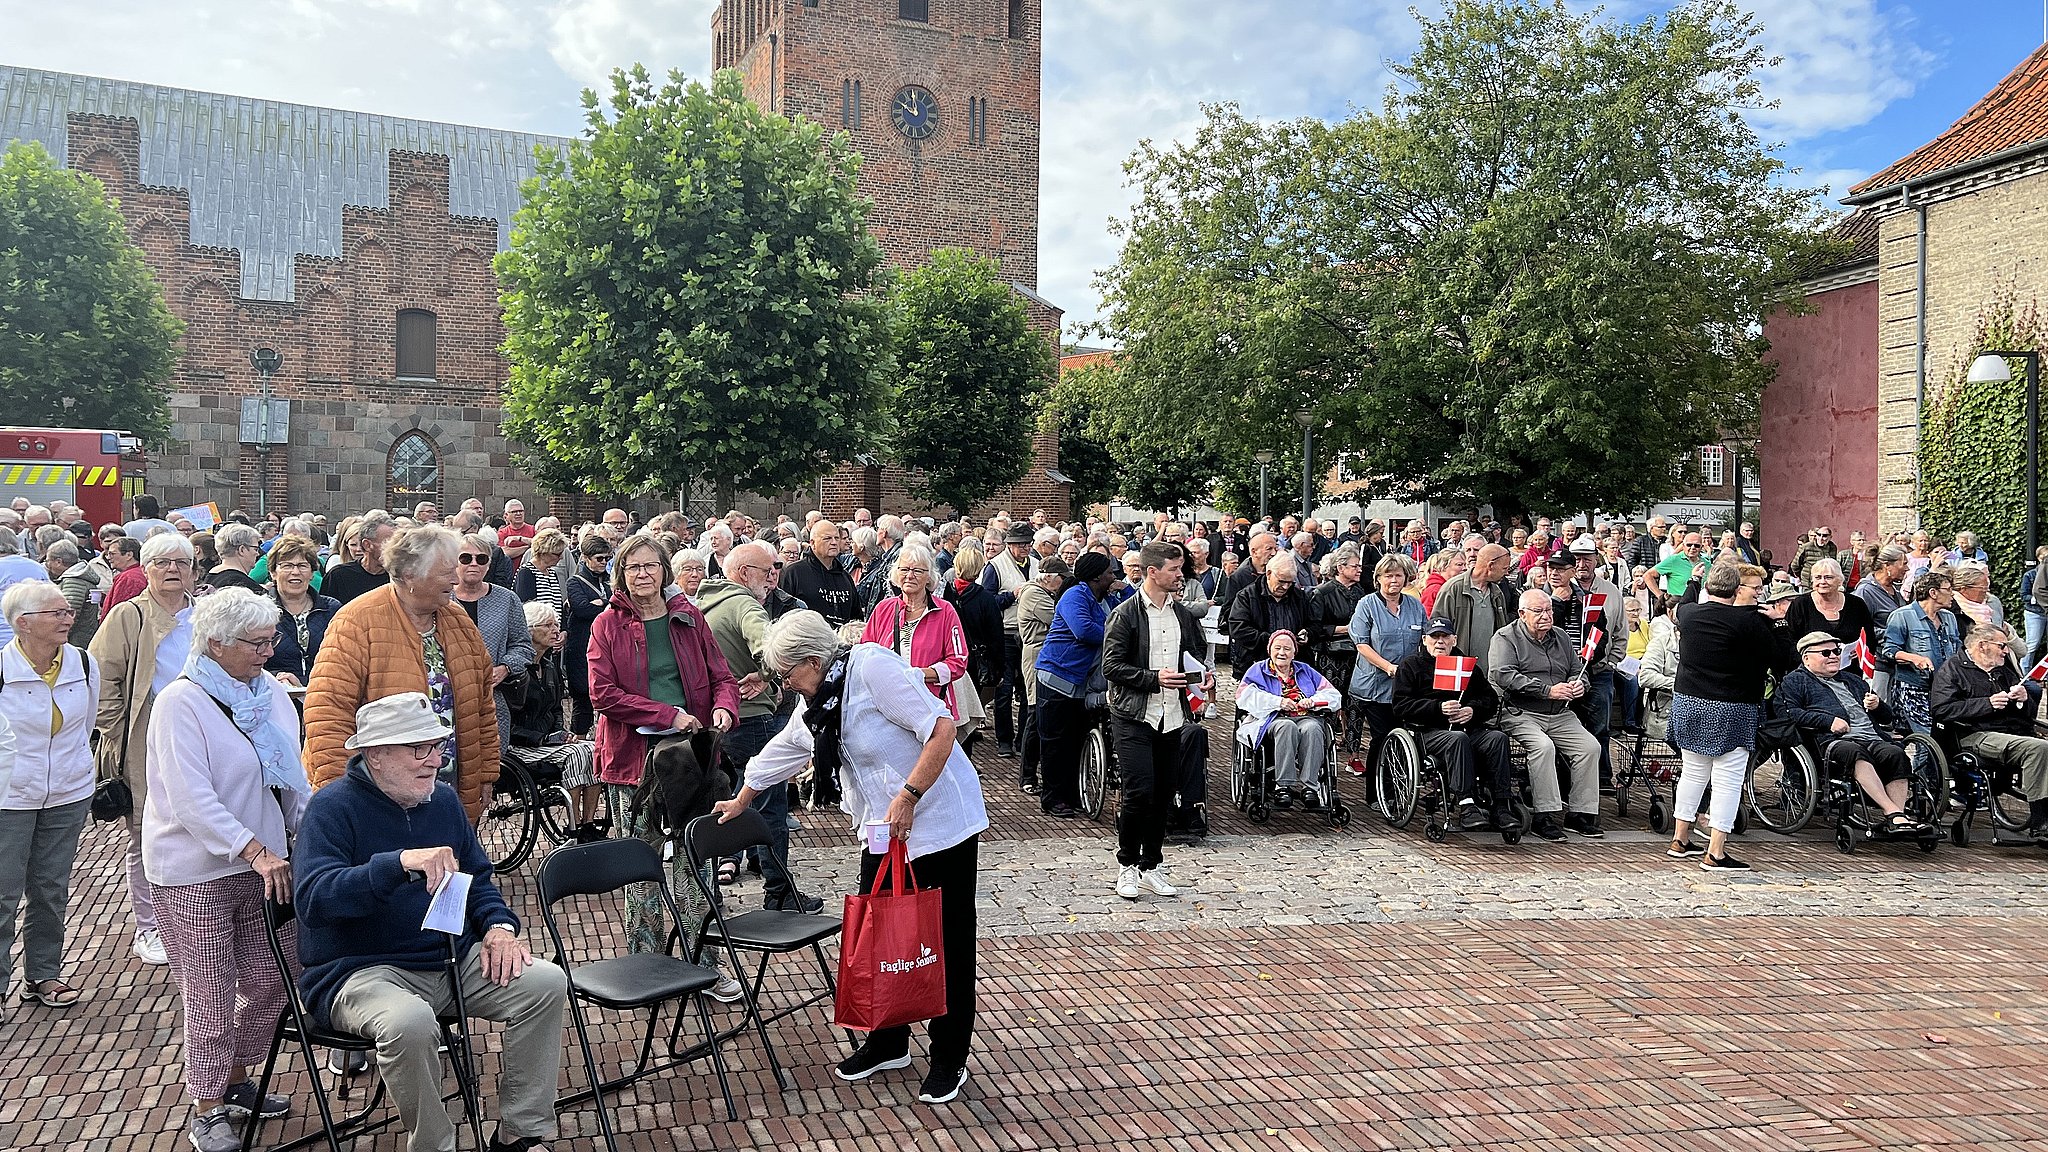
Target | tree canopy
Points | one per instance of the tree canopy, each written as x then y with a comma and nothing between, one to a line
691,294
970,370
86,339
1534,277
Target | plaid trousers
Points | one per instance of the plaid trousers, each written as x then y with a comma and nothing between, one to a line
213,934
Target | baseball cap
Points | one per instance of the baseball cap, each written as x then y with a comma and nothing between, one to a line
1439,627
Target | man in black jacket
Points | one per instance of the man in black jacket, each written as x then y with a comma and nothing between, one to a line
1145,645
819,581
1452,727
1981,695
1275,604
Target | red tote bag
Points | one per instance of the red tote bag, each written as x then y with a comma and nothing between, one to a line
892,961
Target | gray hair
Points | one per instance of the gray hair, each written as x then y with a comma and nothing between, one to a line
891,528
539,612
1725,577
296,526
166,546
1969,574
1830,564
228,613
719,532
235,537
1283,563
796,637
10,544
50,533
701,557
913,554
864,539
1978,634
28,596
64,551
410,553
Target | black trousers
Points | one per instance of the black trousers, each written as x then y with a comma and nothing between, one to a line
1888,758
1149,761
952,871
1061,725
1009,701
1458,752
1029,751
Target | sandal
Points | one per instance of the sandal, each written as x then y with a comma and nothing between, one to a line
51,994
1901,822
728,871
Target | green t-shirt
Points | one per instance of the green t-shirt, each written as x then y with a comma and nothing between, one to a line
1677,569
664,679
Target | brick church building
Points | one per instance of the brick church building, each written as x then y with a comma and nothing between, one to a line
360,246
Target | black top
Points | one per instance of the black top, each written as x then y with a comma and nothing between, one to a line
1854,621
828,592
1727,652
223,578
347,581
982,622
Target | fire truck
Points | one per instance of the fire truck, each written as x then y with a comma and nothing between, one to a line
82,466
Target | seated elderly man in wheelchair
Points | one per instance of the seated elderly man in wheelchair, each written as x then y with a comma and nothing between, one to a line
1286,701
1449,705
1539,673
1839,714
372,968
1980,695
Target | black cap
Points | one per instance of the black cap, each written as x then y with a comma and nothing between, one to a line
1561,560
1018,534
1439,627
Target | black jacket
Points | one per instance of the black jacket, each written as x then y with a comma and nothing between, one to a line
537,713
1418,704
587,594
347,581
1803,699
1336,655
828,592
288,657
982,620
1254,616
1126,662
1960,697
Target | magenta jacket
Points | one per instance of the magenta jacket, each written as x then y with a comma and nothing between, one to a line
618,682
938,641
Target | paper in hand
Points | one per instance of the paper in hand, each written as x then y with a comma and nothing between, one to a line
450,906
1195,671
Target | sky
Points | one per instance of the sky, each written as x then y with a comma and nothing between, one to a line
1861,83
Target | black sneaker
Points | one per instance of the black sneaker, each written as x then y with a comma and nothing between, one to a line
1061,810
1311,801
1722,863
1583,824
1282,799
1472,818
1546,826
1684,850
1028,785
794,902
868,1060
942,1084
1007,751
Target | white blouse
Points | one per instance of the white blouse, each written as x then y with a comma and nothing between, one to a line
888,713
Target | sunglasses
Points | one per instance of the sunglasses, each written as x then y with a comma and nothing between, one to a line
1830,653
473,558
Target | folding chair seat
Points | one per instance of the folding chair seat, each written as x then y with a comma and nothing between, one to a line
630,982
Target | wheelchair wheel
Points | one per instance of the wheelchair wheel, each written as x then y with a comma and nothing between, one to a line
511,820
1959,832
1782,788
1094,772
1927,784
1400,771
2008,808
1240,774
1845,837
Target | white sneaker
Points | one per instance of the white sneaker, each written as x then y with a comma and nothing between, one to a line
726,991
1127,883
1156,881
149,947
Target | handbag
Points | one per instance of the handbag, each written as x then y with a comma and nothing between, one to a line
892,957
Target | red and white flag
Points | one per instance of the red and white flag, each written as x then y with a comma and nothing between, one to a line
1596,603
2040,671
1592,644
1865,662
1454,672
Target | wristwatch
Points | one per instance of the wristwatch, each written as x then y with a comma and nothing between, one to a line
915,794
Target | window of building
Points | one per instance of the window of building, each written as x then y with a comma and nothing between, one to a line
1016,19
977,119
416,344
1713,466
414,472
849,104
918,10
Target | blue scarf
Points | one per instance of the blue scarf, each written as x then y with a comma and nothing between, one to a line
249,705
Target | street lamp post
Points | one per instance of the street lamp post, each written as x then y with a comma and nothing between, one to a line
1306,419
1265,460
266,361
1991,368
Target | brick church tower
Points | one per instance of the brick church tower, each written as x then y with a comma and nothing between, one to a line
941,98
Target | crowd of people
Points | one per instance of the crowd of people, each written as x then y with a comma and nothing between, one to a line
280,709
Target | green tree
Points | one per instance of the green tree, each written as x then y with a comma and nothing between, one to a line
1533,277
1156,459
85,337
970,370
690,293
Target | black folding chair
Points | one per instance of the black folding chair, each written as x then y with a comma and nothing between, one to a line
631,982
295,1025
767,932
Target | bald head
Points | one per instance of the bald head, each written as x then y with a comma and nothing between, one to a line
1536,612
1491,564
825,542
751,566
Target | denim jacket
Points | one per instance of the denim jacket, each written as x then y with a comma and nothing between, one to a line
1909,630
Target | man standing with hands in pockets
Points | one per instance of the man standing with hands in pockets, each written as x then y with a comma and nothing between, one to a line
1145,646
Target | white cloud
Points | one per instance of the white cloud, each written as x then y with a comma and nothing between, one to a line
1845,61
589,38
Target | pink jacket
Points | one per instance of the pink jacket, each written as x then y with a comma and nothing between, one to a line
618,682
937,641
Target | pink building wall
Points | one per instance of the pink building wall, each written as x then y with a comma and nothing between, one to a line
1818,451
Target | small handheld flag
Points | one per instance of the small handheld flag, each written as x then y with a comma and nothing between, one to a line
2040,671
1453,673
1865,662
1592,644
1596,603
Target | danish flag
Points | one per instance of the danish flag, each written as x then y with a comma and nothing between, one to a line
2039,673
1865,662
1454,672
1592,644
1596,603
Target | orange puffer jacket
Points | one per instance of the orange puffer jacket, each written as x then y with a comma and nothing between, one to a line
372,651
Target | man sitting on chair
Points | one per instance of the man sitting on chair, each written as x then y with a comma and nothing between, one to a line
373,970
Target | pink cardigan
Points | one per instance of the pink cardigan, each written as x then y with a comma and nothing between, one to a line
937,641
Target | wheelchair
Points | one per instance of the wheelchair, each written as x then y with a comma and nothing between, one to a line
1974,787
1098,774
1788,787
1253,779
1411,781
529,799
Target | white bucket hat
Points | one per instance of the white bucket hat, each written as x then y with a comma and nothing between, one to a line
406,718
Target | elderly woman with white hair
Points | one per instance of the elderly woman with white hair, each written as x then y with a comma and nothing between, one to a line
921,628
240,547
540,736
141,648
1829,608
1974,599
865,715
226,790
690,568
49,695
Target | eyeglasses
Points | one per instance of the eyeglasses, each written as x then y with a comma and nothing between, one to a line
421,753
646,566
900,571
615,523
169,565
266,644
1537,612
53,612
473,558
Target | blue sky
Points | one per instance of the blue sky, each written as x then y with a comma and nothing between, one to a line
1863,82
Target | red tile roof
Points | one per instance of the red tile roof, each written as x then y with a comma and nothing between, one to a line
2014,113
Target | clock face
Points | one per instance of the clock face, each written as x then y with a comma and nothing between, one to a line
915,112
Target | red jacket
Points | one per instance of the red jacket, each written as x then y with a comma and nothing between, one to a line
129,583
618,682
937,641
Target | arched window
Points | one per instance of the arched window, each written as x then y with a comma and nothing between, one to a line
413,472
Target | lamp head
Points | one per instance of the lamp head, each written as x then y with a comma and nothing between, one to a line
266,361
1304,417
1263,457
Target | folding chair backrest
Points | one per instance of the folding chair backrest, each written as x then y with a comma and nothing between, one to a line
706,839
596,868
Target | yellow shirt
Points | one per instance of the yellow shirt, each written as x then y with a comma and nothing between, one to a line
49,676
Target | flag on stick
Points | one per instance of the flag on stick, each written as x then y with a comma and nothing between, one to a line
1592,644
1865,662
1453,673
